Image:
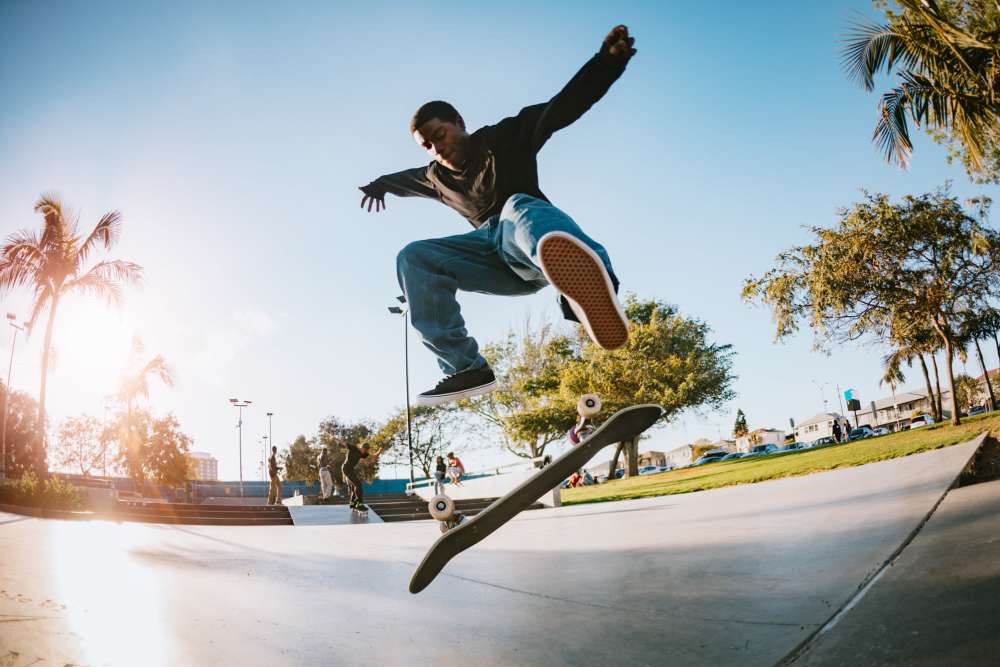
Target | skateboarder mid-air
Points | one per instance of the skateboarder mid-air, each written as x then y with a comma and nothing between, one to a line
521,242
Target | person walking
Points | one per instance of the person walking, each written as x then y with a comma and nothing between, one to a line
836,430
274,488
520,243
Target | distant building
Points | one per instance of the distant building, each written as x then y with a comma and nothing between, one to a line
203,466
652,458
680,456
820,426
761,436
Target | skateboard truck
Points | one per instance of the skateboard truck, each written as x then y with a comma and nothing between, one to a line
442,507
588,407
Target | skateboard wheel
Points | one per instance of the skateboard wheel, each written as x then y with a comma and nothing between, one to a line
589,405
441,507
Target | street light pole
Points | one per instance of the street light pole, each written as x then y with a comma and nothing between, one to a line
822,395
6,395
237,403
270,437
396,310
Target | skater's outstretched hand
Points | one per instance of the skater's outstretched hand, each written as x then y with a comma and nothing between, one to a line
374,195
619,44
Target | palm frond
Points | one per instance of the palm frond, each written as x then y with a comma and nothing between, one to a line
107,232
871,47
21,260
891,134
57,231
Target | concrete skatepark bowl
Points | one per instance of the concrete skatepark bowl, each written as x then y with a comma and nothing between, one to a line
748,575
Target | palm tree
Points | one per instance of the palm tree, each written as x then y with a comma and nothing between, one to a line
52,265
948,65
135,384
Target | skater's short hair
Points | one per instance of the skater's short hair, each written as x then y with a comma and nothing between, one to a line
436,109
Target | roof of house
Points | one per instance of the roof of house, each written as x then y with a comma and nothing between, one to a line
821,417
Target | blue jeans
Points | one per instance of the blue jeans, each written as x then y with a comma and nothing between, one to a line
498,258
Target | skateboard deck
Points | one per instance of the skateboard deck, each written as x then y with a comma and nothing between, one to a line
623,425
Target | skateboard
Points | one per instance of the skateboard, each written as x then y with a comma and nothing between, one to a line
460,532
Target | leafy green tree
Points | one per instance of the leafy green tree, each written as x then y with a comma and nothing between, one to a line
740,427
23,443
924,257
53,266
299,460
945,54
432,430
976,326
669,360
79,445
135,385
334,434
521,409
165,452
967,391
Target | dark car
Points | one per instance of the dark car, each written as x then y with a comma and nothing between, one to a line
710,458
826,440
762,450
860,433
733,456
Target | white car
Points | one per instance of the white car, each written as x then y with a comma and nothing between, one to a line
649,470
881,430
922,420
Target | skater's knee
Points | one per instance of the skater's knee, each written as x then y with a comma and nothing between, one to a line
413,253
516,201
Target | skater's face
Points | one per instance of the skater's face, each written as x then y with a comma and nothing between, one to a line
446,142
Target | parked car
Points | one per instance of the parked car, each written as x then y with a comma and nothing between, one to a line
649,470
666,468
881,430
762,450
825,440
977,410
710,458
860,433
921,420
792,446
733,456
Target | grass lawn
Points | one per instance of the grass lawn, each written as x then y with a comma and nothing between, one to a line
790,464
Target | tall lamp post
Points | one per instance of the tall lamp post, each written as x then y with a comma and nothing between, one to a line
270,439
11,317
396,310
822,395
237,403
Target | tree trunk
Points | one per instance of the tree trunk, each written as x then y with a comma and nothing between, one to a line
632,447
986,374
41,468
939,416
950,352
930,390
613,466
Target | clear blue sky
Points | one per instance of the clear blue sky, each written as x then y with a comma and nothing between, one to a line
233,137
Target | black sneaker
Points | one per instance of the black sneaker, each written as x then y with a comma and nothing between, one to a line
460,385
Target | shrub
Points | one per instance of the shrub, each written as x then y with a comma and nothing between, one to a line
51,493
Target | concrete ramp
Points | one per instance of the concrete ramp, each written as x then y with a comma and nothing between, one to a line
736,576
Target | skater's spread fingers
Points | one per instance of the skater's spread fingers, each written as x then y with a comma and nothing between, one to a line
370,202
